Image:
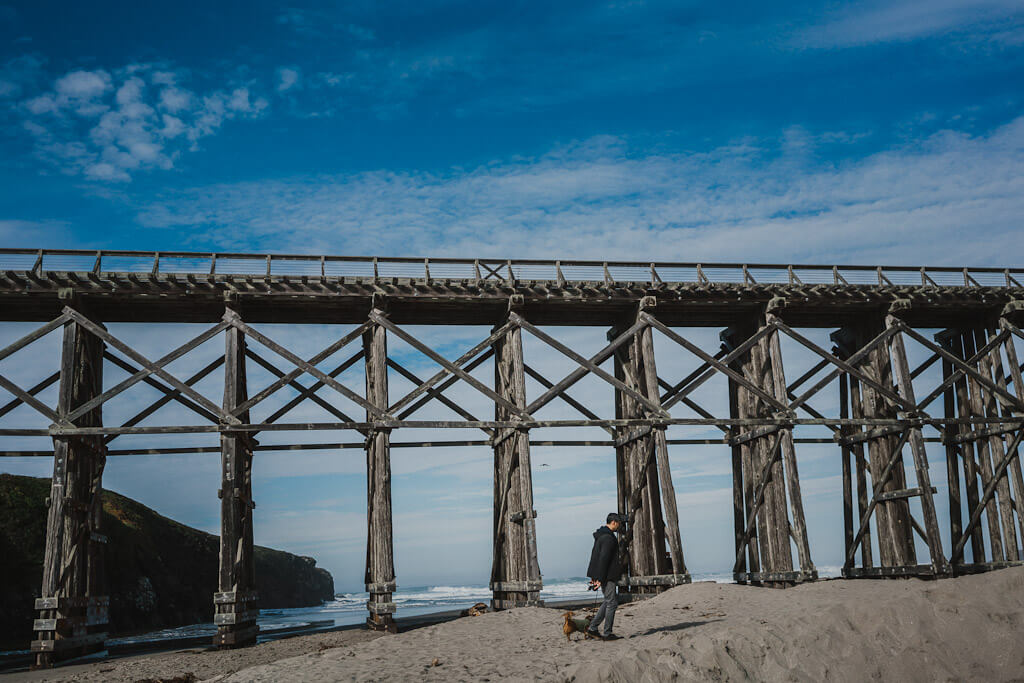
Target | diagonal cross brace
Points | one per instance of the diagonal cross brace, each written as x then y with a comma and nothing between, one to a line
32,401
303,390
435,393
35,389
1000,470
469,367
150,368
454,369
964,368
897,455
233,319
308,392
445,371
587,365
169,394
38,333
846,366
564,395
762,485
716,364
681,392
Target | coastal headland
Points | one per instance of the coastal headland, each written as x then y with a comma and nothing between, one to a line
160,573
967,628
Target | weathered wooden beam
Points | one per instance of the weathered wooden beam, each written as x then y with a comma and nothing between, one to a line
668,493
72,559
792,482
514,556
905,387
237,571
380,560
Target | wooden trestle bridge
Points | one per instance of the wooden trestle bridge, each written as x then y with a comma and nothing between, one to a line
976,410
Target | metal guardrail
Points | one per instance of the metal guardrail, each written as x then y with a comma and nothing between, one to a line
502,270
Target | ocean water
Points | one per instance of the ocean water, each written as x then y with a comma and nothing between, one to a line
350,608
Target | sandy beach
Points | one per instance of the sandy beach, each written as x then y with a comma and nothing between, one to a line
969,628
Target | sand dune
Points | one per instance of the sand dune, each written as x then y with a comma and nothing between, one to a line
970,628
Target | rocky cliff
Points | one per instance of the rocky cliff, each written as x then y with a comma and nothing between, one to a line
160,573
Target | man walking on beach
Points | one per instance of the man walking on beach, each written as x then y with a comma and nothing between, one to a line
604,571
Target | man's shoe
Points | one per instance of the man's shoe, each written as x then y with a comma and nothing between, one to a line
611,636
592,634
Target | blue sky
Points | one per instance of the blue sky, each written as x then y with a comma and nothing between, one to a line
819,132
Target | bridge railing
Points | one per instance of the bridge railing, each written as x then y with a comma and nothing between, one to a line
501,270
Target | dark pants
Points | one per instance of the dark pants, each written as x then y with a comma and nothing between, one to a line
607,610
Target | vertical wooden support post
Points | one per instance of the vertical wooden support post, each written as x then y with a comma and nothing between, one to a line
983,463
745,461
792,483
768,467
739,513
668,493
645,537
892,517
380,561
1018,386
515,571
847,457
235,602
905,387
850,397
997,448
958,342
956,524
74,607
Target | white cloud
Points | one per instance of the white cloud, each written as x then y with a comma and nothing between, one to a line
106,126
287,78
752,200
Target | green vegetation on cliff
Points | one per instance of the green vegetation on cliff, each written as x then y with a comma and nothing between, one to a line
160,573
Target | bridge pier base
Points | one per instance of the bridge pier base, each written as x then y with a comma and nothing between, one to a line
380,562
74,607
515,570
235,602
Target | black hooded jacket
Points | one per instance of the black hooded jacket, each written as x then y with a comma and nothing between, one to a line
604,558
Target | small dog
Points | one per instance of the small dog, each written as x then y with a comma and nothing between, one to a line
475,611
574,625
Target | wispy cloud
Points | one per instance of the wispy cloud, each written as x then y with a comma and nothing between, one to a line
879,22
752,200
106,125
